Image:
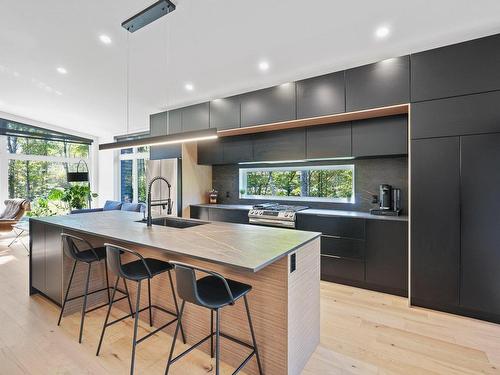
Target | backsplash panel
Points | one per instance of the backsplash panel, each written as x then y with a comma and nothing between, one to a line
368,175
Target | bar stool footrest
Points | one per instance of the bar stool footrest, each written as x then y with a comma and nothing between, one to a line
96,291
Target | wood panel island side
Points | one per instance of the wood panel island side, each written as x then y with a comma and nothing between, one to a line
283,267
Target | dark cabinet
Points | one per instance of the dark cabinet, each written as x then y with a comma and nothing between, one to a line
237,149
280,145
174,121
165,152
380,136
320,96
197,212
480,226
230,216
269,105
342,270
210,152
225,113
435,223
471,114
459,69
196,117
332,226
387,254
380,84
158,124
328,141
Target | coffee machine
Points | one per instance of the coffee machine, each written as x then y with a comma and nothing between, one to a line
389,200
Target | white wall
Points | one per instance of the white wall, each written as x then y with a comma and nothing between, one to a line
107,173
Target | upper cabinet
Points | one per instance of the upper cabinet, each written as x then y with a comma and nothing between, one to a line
225,113
328,141
174,122
280,145
380,136
459,69
380,84
321,96
196,117
158,124
274,104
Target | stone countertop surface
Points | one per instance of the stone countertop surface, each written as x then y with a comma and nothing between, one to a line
319,212
248,247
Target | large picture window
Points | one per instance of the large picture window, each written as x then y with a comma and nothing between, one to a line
332,183
133,174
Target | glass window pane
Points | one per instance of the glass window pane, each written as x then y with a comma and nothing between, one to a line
143,149
126,151
29,146
141,180
127,192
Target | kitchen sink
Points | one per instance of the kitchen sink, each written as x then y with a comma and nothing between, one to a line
175,222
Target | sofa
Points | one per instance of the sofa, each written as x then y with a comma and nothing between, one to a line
114,206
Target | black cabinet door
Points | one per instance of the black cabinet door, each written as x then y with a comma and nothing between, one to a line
228,215
471,114
435,222
378,85
342,270
196,117
387,254
328,141
237,149
380,136
480,178
225,113
210,152
459,69
269,105
158,124
320,96
174,123
165,152
197,212
332,226
280,145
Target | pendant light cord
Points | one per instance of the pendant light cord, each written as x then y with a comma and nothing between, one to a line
128,81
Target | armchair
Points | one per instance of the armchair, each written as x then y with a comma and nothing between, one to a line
14,211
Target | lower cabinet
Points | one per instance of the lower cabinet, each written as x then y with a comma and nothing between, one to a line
219,214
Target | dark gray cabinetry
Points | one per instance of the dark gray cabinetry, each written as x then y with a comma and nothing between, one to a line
237,149
480,226
387,254
471,114
210,152
196,117
378,85
269,105
158,124
435,224
320,96
328,141
280,145
225,113
197,212
174,122
380,136
460,69
219,214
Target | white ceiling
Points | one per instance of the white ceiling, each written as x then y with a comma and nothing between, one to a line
215,44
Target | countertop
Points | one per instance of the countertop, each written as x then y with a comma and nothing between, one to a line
313,211
247,247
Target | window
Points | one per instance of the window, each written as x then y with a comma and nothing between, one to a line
133,174
332,183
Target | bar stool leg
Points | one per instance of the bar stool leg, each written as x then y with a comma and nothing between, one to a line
176,305
84,307
253,335
211,333
149,299
217,341
107,279
67,292
136,322
179,319
107,315
128,297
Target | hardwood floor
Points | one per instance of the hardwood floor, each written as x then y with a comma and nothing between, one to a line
362,332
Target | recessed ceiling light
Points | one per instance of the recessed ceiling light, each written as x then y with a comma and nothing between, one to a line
61,70
189,86
264,66
105,39
382,32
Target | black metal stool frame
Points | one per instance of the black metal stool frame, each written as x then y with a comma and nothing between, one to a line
138,310
86,292
217,332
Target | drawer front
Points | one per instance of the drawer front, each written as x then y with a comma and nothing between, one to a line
230,216
333,226
343,247
333,268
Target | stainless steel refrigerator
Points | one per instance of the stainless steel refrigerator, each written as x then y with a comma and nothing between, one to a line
171,169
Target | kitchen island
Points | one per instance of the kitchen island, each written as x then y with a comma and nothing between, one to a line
282,266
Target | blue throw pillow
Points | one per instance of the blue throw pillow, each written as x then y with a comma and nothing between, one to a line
112,205
130,207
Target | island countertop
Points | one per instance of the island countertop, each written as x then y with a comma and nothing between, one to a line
242,246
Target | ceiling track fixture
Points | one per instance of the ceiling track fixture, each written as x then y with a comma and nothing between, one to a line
148,15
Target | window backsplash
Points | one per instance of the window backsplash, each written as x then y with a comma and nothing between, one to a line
370,173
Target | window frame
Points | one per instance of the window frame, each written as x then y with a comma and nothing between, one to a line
135,155
243,182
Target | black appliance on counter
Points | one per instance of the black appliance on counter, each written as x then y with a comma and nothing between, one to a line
389,201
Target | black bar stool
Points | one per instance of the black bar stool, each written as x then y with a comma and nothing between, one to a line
213,292
138,270
89,256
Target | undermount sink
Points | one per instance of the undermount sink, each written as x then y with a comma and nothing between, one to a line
175,222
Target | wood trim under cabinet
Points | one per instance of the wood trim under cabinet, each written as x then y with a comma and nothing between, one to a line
321,120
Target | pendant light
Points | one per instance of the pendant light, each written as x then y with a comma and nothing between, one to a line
141,19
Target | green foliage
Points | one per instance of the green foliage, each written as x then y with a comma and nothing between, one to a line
76,196
45,207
